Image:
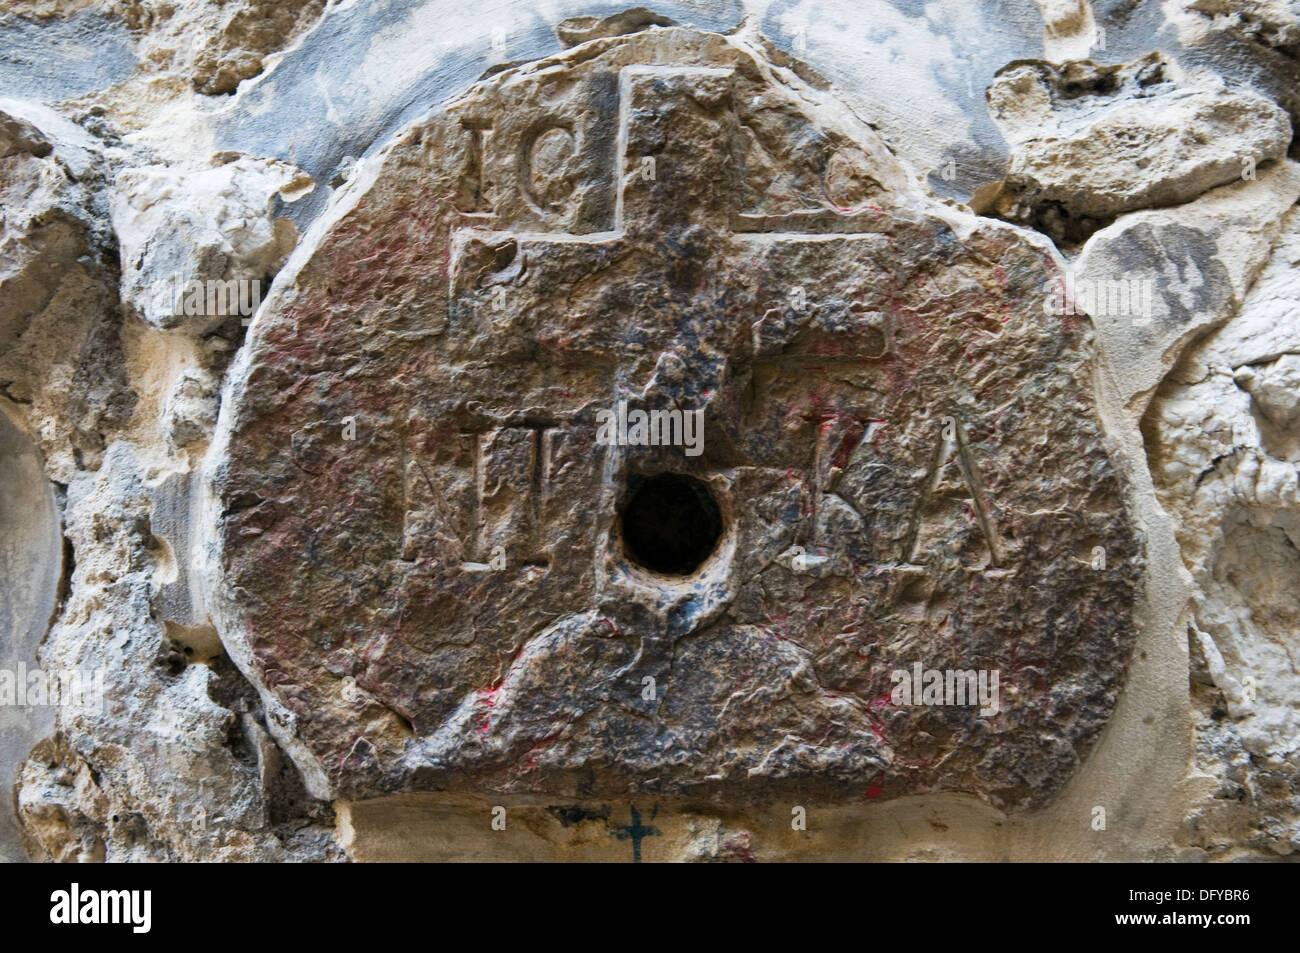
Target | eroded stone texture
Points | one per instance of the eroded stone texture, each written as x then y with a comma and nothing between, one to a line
217,45
1273,23
31,562
1224,447
902,446
173,760
59,350
1198,262
213,224
1090,142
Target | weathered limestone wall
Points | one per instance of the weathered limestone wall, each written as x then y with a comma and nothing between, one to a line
309,314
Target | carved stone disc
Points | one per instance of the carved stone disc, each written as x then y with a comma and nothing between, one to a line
450,561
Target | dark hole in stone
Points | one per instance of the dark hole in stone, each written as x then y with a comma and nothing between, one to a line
671,524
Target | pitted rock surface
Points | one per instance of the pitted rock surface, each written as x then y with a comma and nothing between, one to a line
420,552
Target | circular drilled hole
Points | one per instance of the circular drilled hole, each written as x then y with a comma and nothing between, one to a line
671,524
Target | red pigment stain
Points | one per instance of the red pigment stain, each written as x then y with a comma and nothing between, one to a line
874,791
487,697
879,703
531,757
852,435
738,847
